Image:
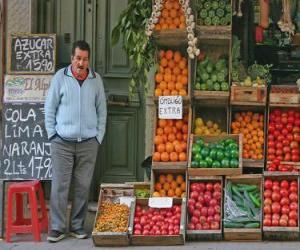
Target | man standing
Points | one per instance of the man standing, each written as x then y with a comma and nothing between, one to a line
75,119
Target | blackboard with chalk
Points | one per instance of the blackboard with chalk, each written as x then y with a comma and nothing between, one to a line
31,54
25,152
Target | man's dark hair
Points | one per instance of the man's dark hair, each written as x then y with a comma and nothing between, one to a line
82,45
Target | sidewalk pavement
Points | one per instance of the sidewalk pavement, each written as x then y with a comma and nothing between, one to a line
75,244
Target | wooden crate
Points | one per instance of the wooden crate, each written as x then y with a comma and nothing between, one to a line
198,235
216,171
214,49
251,163
282,108
248,234
111,192
284,98
159,240
213,32
170,37
174,171
186,99
217,114
169,164
244,95
282,233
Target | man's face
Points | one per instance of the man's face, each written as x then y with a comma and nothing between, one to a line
80,61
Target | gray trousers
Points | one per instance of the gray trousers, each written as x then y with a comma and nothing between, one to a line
76,162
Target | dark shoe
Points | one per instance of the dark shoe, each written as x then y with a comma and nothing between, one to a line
55,236
79,234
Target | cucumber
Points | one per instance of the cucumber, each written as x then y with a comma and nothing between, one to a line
252,225
236,191
256,202
243,187
233,225
228,189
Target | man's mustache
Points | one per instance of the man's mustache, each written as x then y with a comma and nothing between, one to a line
80,67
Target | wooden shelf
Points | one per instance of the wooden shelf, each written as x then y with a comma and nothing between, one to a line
214,32
172,37
248,163
216,98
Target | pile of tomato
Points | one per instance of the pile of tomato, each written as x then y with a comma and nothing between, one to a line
157,221
280,203
204,206
284,135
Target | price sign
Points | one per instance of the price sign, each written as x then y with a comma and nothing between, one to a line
160,202
126,200
170,107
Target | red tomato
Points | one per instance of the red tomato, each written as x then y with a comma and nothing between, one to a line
276,207
293,197
267,222
267,209
292,223
284,193
276,195
285,209
268,201
294,206
268,184
293,215
284,184
283,223
284,201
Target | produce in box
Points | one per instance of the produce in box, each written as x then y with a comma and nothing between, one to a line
157,221
171,140
284,90
142,193
276,165
172,75
251,125
224,154
206,128
280,203
169,185
113,218
242,207
172,16
214,12
284,135
204,206
212,76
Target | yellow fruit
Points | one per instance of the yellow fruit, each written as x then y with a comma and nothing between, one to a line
156,194
198,131
215,126
209,124
199,122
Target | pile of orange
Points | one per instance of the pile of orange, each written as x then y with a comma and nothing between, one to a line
171,140
172,16
251,125
172,75
170,185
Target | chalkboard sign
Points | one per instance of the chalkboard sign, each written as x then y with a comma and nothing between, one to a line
31,54
25,148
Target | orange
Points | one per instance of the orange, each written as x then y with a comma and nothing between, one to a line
171,63
158,77
169,177
169,147
173,156
158,186
171,193
168,130
178,85
166,186
179,136
182,92
162,123
184,146
185,129
161,148
159,131
171,86
169,54
184,72
176,71
167,78
166,92
168,5
174,92
156,156
178,192
164,62
171,137
183,186
170,123
158,92
163,193
165,13
178,148
184,80
163,85
158,139
161,53
156,194
177,56
162,179
173,13
164,157
173,185
182,156
179,179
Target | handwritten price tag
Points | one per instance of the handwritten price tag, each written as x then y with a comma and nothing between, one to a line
160,202
126,200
